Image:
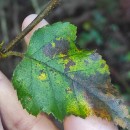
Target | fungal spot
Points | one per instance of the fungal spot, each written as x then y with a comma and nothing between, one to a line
95,57
58,39
56,47
103,114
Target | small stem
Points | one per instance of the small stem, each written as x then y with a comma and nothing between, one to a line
11,53
42,14
1,45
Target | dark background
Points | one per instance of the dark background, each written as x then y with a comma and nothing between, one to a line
103,25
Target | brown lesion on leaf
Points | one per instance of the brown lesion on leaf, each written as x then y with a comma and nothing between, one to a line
109,89
99,107
103,113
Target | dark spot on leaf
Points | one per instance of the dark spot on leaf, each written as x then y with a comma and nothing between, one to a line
61,46
95,57
95,79
42,71
67,66
68,90
86,61
103,65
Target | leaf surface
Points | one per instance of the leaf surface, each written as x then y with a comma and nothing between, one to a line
57,78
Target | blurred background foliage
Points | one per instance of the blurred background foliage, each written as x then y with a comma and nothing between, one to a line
103,25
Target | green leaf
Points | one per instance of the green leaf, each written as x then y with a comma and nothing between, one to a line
56,78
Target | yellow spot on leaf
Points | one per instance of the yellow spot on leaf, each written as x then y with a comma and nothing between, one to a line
58,39
61,55
120,122
66,61
53,44
42,76
38,65
73,108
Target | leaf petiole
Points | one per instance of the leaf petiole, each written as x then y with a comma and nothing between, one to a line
1,45
10,53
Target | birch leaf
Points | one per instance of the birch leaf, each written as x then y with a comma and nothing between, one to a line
57,78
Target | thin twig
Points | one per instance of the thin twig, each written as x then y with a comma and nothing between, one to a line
42,14
1,45
11,53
